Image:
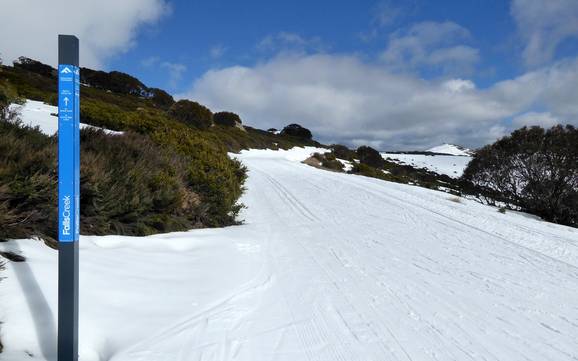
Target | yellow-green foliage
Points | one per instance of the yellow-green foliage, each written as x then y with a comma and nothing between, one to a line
164,174
130,184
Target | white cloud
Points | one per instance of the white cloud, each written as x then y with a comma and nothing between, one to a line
458,85
544,25
432,45
176,72
545,120
290,42
344,99
105,28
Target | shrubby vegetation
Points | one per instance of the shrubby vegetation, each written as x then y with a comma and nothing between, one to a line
115,81
161,98
342,152
28,182
297,131
170,171
533,169
370,157
192,114
130,184
34,66
328,161
227,119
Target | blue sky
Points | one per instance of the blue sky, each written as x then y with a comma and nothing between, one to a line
388,73
202,35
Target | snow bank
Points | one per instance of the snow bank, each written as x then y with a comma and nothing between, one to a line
45,117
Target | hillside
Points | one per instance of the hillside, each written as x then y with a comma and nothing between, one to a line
327,266
176,172
451,149
451,165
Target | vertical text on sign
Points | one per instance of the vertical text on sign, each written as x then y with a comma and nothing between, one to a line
68,153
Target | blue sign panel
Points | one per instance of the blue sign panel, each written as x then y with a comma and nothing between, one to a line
68,153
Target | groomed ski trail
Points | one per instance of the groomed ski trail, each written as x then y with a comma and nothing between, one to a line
336,267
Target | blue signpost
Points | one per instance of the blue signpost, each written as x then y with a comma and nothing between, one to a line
68,195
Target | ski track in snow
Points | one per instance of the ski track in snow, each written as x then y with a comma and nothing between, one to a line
327,267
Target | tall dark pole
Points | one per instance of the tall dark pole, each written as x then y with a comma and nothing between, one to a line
68,195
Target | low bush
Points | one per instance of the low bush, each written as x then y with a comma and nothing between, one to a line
328,160
161,98
369,171
192,114
227,119
370,157
297,131
131,184
342,152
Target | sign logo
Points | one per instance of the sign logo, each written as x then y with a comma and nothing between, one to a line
66,216
66,70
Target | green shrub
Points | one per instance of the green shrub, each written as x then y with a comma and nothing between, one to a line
211,173
332,164
342,152
227,119
297,131
28,182
192,113
130,184
161,98
369,171
370,157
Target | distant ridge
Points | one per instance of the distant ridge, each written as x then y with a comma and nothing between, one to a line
451,149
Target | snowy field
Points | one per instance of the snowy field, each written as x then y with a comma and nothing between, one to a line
327,267
451,165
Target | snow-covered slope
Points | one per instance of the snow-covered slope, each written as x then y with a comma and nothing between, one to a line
451,149
44,116
451,165
327,267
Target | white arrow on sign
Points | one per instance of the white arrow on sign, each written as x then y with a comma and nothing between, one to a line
66,71
66,101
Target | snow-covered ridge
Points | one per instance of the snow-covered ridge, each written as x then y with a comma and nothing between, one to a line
450,165
38,114
451,149
327,266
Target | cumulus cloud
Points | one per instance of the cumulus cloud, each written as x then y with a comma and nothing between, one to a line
344,99
105,28
432,45
544,25
545,120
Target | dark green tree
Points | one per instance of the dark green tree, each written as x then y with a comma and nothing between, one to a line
370,157
533,169
295,130
228,119
192,114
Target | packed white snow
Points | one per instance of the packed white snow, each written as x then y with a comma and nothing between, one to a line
326,267
451,165
451,149
38,114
